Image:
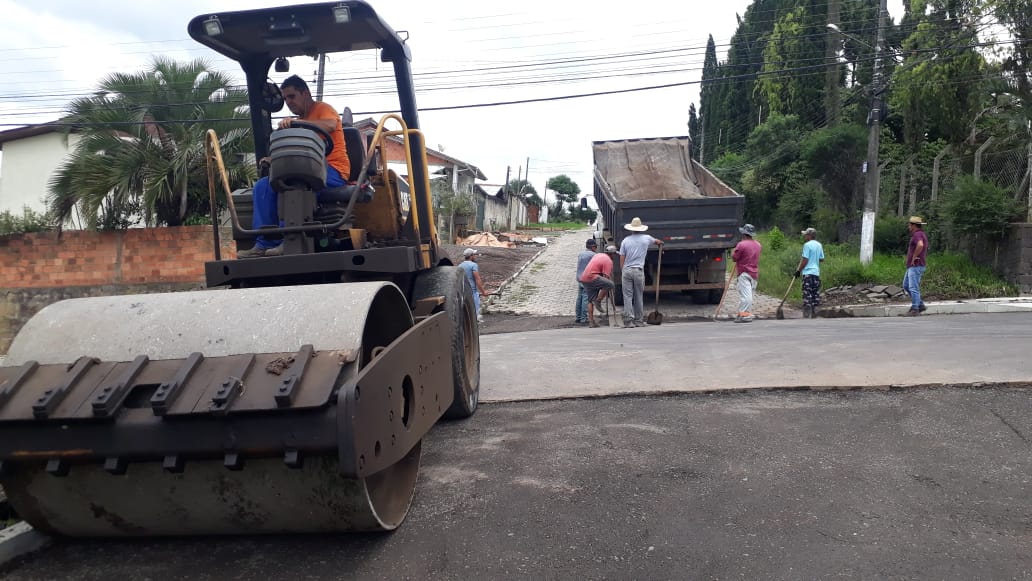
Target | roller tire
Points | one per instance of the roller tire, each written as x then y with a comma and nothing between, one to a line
715,294
450,282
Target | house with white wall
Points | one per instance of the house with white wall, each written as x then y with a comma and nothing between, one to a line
29,156
499,210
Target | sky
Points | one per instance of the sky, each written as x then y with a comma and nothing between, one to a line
464,52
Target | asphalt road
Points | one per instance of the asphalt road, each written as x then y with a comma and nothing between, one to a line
796,353
915,483
749,483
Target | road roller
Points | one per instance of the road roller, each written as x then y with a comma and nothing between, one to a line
290,396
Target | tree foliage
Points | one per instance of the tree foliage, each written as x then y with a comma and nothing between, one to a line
980,208
693,130
954,73
28,221
566,195
141,146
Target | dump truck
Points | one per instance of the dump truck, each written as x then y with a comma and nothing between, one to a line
694,213
292,395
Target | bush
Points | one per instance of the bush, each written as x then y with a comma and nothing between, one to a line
827,222
891,236
776,239
977,207
29,221
797,206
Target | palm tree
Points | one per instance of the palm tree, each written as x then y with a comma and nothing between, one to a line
141,146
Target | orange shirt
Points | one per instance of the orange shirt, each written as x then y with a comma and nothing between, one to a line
338,158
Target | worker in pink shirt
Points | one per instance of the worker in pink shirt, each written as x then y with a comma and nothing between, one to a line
597,279
747,262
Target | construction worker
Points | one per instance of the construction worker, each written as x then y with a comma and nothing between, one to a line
747,262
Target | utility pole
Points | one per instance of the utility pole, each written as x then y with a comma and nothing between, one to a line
1030,171
871,165
831,80
321,76
508,170
526,178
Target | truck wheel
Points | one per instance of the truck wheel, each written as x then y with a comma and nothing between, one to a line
700,297
714,296
450,282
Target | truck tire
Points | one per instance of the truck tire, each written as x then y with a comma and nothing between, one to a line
450,282
714,296
700,297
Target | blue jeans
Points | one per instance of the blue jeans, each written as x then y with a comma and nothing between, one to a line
912,285
266,212
582,303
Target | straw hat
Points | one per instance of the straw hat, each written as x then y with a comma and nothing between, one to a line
917,220
636,226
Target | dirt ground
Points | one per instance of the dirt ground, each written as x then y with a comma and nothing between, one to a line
496,264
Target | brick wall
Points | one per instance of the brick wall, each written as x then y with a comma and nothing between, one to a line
42,268
81,258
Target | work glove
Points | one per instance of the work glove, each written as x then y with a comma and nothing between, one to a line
798,273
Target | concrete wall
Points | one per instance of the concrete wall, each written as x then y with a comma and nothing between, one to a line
39,269
1011,258
26,167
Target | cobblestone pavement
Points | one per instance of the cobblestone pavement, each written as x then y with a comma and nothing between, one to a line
547,287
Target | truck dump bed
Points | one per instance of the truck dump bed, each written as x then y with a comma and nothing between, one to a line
656,180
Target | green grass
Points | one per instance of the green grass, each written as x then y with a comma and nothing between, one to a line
555,226
949,276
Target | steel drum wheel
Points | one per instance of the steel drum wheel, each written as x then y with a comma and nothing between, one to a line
266,496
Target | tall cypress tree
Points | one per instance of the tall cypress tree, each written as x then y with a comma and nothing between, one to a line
709,103
693,130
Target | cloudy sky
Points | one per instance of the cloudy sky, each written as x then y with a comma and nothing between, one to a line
465,52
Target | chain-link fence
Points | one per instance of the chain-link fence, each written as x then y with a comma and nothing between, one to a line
920,178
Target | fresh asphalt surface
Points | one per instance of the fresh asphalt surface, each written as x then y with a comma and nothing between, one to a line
931,483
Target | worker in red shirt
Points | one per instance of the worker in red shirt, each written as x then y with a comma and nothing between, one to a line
597,279
747,262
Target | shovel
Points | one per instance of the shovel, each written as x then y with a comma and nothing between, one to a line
656,317
723,295
780,314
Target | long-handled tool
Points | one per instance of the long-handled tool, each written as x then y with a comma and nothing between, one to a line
656,317
614,319
780,314
723,296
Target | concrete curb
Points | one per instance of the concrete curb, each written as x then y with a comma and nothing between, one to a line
21,539
996,305
1024,385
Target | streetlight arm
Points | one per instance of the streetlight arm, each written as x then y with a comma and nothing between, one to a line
894,54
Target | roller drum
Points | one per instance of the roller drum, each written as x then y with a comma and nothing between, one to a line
264,494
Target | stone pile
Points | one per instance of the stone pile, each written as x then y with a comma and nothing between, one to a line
866,292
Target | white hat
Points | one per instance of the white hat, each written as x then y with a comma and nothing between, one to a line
636,226
469,252
611,248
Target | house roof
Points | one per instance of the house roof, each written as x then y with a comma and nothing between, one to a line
370,124
30,131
